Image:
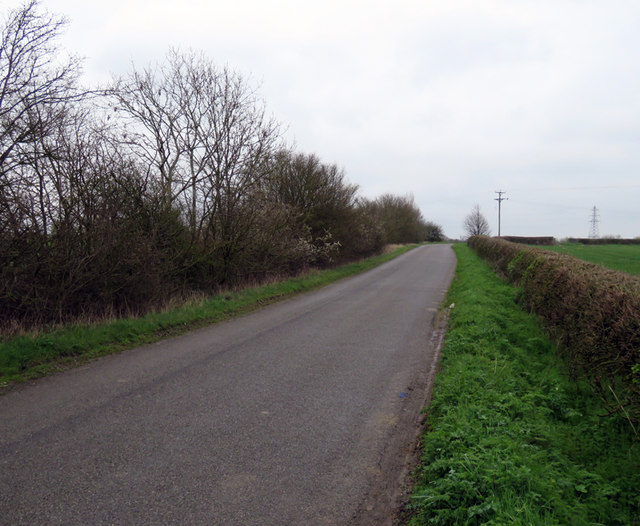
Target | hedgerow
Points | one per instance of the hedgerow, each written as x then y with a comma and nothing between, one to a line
510,438
591,311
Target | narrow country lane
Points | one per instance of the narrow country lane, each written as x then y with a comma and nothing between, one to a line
299,413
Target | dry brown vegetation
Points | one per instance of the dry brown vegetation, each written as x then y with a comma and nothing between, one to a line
592,312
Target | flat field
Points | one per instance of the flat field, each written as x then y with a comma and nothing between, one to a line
618,257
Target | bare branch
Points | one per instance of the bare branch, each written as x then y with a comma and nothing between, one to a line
475,224
36,85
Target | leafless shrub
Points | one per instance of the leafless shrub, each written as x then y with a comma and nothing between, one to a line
433,232
400,218
207,141
475,224
172,180
326,204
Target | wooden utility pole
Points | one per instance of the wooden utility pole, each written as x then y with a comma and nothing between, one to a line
500,199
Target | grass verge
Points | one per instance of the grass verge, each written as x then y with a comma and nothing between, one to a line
27,357
510,439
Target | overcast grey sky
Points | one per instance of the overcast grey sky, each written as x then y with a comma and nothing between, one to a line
450,101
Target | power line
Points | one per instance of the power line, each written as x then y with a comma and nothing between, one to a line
552,188
500,199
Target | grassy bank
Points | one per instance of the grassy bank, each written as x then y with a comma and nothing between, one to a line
617,257
511,440
28,357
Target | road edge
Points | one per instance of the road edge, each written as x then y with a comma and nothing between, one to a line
385,503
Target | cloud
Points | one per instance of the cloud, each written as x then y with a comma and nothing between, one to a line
447,100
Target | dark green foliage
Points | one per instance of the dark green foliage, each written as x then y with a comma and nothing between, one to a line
592,312
510,439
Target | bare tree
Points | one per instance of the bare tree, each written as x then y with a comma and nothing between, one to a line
475,224
207,141
37,87
433,232
401,219
36,84
317,190
325,202
200,129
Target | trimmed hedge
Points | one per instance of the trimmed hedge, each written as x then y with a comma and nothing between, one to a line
591,311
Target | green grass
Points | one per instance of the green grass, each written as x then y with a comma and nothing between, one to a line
510,439
618,257
28,357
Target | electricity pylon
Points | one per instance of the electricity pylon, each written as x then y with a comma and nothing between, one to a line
593,231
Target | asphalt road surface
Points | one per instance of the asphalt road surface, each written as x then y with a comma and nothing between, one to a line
303,412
